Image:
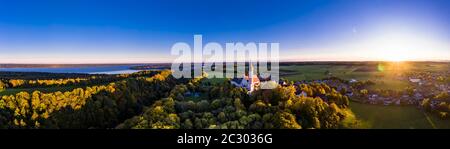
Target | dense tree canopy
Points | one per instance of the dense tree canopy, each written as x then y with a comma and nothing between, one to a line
159,101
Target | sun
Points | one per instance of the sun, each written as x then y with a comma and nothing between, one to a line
394,47
395,56
396,59
397,44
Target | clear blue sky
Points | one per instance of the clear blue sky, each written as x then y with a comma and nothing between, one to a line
112,31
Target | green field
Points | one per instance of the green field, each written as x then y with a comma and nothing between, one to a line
396,117
316,72
12,91
389,84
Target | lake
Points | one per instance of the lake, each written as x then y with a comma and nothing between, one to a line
116,69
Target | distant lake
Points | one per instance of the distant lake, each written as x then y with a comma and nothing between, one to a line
116,69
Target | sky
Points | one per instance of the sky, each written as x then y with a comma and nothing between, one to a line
133,31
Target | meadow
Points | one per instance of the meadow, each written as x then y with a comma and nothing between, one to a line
396,117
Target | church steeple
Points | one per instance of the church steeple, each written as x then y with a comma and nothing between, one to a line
250,80
250,76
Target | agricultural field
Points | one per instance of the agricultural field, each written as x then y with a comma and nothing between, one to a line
396,117
317,72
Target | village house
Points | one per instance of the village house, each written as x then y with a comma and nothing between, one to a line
349,94
415,80
283,83
190,94
418,96
397,101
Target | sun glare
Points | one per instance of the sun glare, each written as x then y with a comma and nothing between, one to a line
401,45
395,56
396,47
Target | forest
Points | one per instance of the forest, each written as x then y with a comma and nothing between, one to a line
155,100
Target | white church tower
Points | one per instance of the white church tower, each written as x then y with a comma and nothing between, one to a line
249,81
250,78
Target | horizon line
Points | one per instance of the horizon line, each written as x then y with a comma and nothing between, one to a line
285,61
